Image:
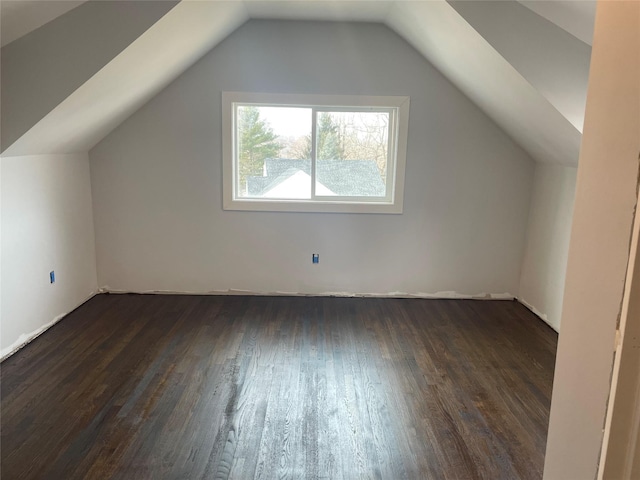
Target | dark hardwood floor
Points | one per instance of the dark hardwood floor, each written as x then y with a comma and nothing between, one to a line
190,387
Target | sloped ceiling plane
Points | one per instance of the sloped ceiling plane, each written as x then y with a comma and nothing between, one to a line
72,71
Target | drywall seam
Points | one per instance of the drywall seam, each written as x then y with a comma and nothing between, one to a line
232,291
536,312
27,338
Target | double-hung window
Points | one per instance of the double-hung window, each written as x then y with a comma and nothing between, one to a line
314,153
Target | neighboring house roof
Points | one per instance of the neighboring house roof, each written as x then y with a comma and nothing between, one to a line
343,178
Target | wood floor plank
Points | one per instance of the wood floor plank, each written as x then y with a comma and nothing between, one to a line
201,387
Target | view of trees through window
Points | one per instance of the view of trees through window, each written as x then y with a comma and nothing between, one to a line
348,144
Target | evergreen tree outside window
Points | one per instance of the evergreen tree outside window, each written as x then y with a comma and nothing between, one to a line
256,142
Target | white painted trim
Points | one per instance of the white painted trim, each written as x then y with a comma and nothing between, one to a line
25,339
394,205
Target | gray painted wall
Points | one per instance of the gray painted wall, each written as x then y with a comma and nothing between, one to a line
156,180
547,247
42,68
47,224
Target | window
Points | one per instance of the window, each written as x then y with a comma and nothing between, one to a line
314,153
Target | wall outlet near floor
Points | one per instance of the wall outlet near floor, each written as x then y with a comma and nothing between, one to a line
52,276
315,258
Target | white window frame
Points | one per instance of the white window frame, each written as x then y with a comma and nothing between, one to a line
397,106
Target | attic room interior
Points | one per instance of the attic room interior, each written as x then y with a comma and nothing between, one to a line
320,239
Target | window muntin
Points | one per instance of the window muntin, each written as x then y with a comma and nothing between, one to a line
313,152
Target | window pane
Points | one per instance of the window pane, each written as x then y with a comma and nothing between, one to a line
352,154
273,152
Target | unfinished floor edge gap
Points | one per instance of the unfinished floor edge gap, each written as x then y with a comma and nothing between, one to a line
537,313
441,295
26,338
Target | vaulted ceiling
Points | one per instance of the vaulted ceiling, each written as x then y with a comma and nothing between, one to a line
72,71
